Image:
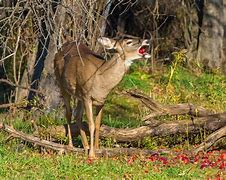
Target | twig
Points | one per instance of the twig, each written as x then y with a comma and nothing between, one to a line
19,86
3,59
9,105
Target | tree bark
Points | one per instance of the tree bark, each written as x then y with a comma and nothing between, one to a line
42,52
210,47
205,36
224,42
105,15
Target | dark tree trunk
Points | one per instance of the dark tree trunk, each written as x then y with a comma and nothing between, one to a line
205,41
210,47
26,77
43,44
224,42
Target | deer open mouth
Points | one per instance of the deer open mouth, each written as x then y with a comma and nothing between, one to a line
143,51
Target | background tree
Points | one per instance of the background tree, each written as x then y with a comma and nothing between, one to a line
205,33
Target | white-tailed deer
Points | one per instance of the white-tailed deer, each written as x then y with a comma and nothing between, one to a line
85,76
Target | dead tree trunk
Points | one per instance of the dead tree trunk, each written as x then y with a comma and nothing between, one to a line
26,77
202,120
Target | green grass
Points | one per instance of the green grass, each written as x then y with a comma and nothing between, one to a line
33,165
20,161
207,90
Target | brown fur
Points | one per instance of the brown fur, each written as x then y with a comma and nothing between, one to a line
82,74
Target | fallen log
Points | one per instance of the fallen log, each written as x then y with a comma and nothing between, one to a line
161,110
180,109
157,128
211,139
109,152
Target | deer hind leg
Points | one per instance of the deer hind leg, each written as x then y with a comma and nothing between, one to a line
99,111
89,114
68,112
79,112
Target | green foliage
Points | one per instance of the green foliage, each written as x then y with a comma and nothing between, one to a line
49,119
149,143
179,58
136,80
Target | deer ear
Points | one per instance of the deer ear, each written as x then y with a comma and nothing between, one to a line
107,43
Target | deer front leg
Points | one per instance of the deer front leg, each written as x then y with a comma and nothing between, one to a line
89,114
78,116
68,112
99,111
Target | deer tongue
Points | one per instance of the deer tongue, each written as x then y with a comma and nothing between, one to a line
143,52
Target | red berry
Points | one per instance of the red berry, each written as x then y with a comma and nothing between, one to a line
163,160
223,156
219,177
90,161
153,157
205,164
131,160
223,165
184,158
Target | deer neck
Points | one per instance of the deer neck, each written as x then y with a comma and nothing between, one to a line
115,66
107,77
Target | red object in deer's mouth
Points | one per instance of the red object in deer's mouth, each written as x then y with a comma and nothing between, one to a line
142,50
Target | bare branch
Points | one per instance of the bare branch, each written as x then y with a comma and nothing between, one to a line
23,87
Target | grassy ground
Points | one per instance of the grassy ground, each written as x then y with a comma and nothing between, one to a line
19,162
22,161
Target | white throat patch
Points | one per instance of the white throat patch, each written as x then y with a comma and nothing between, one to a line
128,63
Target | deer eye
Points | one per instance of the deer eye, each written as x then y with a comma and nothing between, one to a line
129,42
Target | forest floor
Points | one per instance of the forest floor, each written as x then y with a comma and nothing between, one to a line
21,160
